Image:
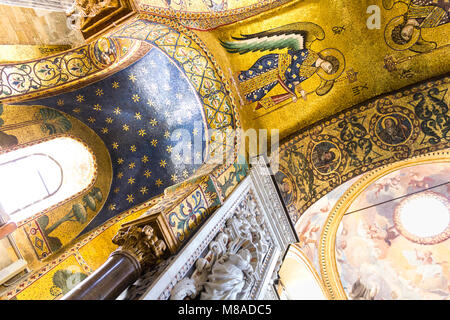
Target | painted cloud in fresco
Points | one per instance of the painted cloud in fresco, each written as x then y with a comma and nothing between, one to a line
375,259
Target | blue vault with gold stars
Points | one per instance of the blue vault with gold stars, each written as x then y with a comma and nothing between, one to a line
148,115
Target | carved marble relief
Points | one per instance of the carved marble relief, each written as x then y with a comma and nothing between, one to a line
233,265
234,256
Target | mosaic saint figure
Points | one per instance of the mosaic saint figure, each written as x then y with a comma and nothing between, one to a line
403,32
324,157
288,69
392,131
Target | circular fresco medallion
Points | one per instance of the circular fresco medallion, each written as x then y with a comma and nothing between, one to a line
326,157
393,129
424,218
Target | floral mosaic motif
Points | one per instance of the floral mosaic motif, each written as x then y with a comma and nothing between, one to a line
57,70
50,121
78,213
432,110
394,127
356,140
65,280
188,215
299,168
105,51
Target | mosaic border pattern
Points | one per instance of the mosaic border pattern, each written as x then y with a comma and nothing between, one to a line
76,67
204,21
353,132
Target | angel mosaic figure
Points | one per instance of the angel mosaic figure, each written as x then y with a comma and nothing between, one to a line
288,69
404,32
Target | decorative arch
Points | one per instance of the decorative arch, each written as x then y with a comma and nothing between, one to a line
75,67
31,126
327,250
46,166
356,135
81,66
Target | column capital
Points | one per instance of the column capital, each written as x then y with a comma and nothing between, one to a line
142,243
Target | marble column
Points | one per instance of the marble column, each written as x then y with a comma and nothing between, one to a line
107,282
139,249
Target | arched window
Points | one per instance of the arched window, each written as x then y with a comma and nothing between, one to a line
28,180
40,176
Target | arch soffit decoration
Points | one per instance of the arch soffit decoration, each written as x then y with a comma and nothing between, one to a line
170,37
204,21
74,68
80,132
327,259
71,197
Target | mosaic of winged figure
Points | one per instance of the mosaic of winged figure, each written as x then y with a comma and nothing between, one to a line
404,32
287,69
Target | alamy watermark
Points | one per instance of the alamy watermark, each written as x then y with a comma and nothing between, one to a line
217,146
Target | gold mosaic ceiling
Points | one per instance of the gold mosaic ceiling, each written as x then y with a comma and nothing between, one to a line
371,63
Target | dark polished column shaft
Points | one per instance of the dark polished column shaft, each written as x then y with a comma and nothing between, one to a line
107,282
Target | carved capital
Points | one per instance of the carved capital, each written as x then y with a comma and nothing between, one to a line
142,244
96,17
90,8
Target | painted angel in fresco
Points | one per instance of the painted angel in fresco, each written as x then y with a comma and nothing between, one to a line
420,182
386,234
386,184
308,237
431,271
288,69
403,32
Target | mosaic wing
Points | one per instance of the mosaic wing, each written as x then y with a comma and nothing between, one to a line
295,36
